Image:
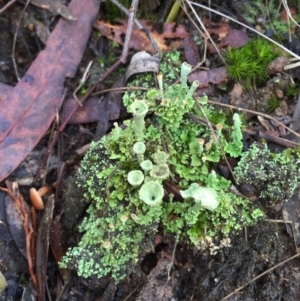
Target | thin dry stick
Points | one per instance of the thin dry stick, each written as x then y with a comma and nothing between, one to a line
172,260
82,81
132,10
286,6
15,40
138,24
133,291
244,25
255,113
7,6
262,274
268,15
215,138
203,27
121,90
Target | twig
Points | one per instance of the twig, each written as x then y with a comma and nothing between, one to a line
172,260
255,113
7,5
15,41
132,10
82,81
134,291
215,138
203,27
262,274
277,140
138,24
121,90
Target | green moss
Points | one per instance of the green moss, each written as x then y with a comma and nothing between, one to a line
248,63
272,104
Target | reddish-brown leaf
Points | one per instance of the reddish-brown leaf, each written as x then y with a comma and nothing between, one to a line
224,35
139,40
29,109
213,76
191,52
92,109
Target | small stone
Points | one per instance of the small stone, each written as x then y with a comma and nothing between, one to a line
277,65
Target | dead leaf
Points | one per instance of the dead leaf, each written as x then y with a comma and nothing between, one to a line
30,108
191,52
90,111
225,35
139,40
4,91
213,76
284,15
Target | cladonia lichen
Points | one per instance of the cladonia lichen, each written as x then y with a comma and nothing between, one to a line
123,177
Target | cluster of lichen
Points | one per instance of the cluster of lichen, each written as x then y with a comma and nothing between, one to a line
122,175
269,17
248,63
274,176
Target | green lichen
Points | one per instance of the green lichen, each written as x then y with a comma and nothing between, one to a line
275,176
178,148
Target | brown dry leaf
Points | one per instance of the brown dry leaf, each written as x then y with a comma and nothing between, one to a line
92,110
139,40
191,52
213,76
284,15
28,111
225,35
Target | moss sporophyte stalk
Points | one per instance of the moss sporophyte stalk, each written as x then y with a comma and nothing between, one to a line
123,177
